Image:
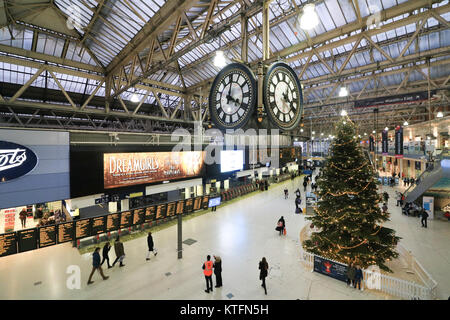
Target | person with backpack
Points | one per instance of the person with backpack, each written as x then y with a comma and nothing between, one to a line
96,266
264,270
150,246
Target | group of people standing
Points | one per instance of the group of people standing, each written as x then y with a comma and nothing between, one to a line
354,276
208,267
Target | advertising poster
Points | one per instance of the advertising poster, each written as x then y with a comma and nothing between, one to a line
384,142
125,169
399,142
330,268
10,218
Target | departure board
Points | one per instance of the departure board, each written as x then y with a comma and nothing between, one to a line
138,216
47,236
180,207
98,225
125,219
8,244
197,203
65,232
171,206
205,202
150,213
82,228
161,211
27,239
189,205
112,221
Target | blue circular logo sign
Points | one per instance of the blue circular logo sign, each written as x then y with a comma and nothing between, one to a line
15,161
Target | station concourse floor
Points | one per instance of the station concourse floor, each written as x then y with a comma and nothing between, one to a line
241,233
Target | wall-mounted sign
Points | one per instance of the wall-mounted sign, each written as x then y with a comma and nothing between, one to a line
15,161
125,169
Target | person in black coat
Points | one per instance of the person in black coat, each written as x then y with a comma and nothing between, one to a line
218,270
150,246
96,265
423,220
263,267
105,252
281,225
305,184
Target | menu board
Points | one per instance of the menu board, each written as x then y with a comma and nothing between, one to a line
138,216
197,203
112,221
161,211
27,239
65,232
189,205
8,244
150,213
205,202
125,219
82,228
171,209
98,225
47,236
180,207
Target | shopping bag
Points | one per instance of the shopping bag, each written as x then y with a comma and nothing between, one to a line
284,231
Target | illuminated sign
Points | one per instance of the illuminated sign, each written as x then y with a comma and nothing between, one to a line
15,161
124,169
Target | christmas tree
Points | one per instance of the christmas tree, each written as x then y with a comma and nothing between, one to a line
348,216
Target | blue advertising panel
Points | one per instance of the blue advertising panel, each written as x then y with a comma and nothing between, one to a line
213,202
330,268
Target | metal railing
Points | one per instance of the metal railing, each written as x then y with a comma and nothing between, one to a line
435,166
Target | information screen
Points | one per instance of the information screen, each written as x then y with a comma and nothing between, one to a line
205,202
138,216
189,205
82,228
27,239
98,225
112,222
161,211
47,236
8,244
150,213
65,232
214,202
171,209
180,207
231,160
125,219
197,203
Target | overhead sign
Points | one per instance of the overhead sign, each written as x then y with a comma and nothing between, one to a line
384,142
397,99
125,169
399,142
15,161
330,268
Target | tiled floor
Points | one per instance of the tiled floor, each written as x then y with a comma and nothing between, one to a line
241,233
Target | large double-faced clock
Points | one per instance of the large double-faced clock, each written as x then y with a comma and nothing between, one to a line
283,99
232,98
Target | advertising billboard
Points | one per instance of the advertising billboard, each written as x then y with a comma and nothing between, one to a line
231,160
330,268
126,169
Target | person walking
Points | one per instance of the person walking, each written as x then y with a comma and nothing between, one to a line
150,246
358,278
286,193
207,271
351,271
305,184
96,265
398,197
424,216
263,267
218,271
120,252
105,254
281,225
23,217
298,193
384,208
386,196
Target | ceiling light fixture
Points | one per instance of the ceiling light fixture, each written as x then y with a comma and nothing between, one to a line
219,59
343,92
343,113
309,19
440,114
405,123
134,97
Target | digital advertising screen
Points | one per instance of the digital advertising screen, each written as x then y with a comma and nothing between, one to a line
161,211
98,225
82,228
197,203
125,219
126,169
205,202
112,222
8,244
138,216
180,207
150,213
47,236
189,204
231,160
27,239
213,202
65,232
171,209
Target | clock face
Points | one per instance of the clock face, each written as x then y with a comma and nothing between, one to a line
283,98
233,97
